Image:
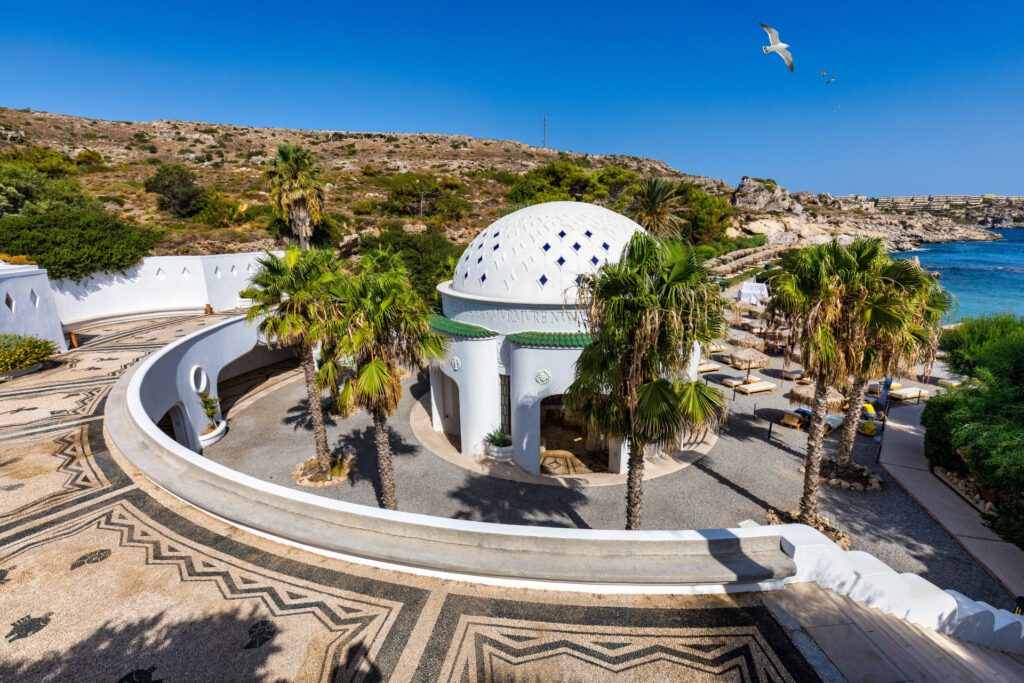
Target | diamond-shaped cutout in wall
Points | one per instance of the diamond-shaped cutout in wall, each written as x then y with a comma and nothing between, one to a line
234,271
34,298
160,274
249,268
216,272
185,273
9,302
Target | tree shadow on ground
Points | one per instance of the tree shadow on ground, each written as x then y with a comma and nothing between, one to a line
490,499
421,385
231,646
298,417
357,666
363,444
732,486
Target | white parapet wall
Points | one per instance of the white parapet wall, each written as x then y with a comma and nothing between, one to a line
159,283
704,560
27,306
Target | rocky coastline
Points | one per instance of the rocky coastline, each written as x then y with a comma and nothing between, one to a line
766,208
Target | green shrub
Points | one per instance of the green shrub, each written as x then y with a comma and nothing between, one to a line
17,352
24,189
363,207
429,255
965,343
938,434
89,157
707,216
178,190
74,244
424,195
43,159
217,209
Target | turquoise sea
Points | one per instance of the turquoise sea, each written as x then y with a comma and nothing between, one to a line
985,277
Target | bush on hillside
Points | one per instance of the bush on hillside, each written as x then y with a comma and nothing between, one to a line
429,255
179,192
23,189
569,180
938,434
18,352
43,159
424,195
74,244
707,216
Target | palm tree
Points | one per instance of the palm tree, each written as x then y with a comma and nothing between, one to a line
644,313
296,190
289,297
656,207
913,301
823,295
380,326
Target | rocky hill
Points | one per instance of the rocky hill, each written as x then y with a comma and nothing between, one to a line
358,166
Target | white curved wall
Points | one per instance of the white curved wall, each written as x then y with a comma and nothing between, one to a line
27,306
211,350
159,283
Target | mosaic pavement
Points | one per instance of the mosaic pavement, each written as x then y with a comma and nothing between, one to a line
105,577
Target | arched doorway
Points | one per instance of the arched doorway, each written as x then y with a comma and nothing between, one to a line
449,409
175,425
566,445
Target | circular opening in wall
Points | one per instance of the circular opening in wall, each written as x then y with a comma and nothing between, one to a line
199,379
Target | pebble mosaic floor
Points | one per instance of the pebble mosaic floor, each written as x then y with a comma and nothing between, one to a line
105,577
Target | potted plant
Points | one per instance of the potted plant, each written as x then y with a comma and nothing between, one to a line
216,428
499,445
21,355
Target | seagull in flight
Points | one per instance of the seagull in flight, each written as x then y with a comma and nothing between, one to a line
777,46
830,79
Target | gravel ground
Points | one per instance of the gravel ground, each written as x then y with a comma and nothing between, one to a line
742,475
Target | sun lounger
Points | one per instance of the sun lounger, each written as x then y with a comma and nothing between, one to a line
875,388
792,419
755,388
792,375
733,382
707,366
949,383
717,347
908,394
832,422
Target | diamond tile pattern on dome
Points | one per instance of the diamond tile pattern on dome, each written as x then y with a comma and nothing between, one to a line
536,254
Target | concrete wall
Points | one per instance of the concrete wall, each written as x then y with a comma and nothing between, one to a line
27,306
159,283
189,369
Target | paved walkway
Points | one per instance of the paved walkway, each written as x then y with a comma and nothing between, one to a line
104,577
903,457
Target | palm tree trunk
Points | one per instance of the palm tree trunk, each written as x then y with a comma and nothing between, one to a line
316,413
845,454
385,467
634,484
300,222
812,463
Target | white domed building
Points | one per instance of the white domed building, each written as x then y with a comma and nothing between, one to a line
516,330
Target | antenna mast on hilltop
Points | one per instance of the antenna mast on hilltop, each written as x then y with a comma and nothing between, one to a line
545,131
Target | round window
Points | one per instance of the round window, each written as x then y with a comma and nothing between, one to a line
199,379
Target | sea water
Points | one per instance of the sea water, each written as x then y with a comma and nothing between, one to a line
985,277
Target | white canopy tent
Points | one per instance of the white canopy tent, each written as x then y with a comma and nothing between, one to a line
751,292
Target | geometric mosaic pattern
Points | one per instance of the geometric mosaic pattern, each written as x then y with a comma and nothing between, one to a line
103,576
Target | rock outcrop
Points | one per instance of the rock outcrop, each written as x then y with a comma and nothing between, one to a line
899,232
756,194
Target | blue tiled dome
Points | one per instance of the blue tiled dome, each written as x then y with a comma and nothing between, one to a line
536,254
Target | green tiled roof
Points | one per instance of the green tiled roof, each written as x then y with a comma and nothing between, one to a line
564,340
442,324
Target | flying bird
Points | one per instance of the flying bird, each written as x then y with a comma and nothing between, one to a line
823,74
830,79
777,46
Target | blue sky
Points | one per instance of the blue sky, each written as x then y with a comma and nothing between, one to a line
929,96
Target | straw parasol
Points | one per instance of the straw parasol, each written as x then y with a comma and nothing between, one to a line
744,339
804,394
747,359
